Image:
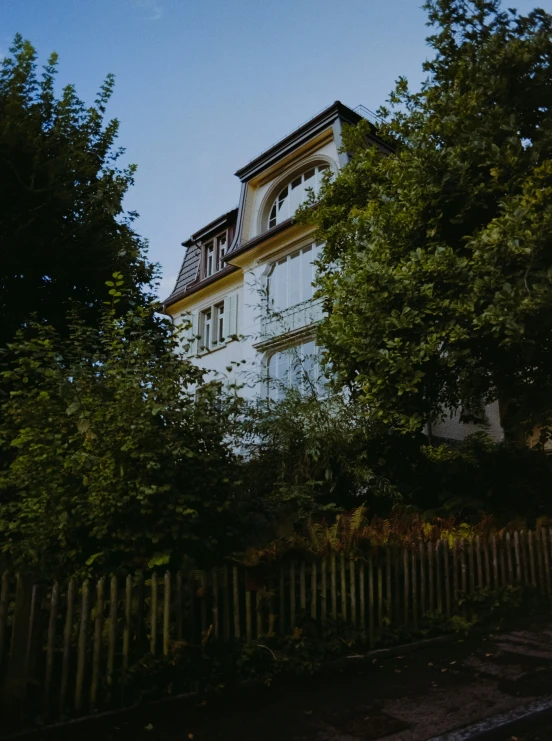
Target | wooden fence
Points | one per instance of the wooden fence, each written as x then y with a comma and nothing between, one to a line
68,646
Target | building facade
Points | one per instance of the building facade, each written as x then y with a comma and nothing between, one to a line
245,285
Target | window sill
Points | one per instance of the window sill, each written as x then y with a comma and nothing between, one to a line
211,350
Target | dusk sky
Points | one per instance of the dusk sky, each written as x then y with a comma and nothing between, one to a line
203,86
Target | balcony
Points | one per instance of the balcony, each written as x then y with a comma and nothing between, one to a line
291,320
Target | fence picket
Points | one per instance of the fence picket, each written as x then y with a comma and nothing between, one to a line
292,595
531,546
259,614
4,602
324,588
487,566
414,589
455,569
496,582
67,645
438,544
50,646
81,655
343,587
463,569
302,587
406,585
352,588
248,625
203,604
510,561
430,579
380,594
540,561
546,560
371,600
423,577
447,576
479,562
178,605
96,655
333,579
282,603
236,601
215,606
314,590
153,614
471,562
112,635
388,592
362,596
517,557
167,613
128,619
502,553
226,602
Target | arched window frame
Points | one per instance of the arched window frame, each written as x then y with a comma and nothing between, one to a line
273,197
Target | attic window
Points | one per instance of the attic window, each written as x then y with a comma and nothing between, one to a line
294,194
213,254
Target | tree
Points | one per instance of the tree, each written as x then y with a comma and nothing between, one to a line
113,451
437,270
63,230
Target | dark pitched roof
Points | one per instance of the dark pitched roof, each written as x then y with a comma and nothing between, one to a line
189,271
297,137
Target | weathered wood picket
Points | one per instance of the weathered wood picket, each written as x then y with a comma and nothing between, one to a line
70,644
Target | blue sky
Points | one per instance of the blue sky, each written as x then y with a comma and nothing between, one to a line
203,86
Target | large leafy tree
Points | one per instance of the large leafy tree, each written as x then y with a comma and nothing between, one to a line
437,269
113,451
63,230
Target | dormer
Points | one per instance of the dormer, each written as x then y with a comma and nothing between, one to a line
204,259
276,182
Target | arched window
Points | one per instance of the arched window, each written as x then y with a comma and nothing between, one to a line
294,193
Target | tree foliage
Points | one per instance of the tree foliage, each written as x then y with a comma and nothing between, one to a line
112,449
63,230
437,270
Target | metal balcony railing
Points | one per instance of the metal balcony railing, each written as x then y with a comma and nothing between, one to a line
296,317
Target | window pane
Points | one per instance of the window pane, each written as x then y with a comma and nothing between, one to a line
306,274
272,218
296,183
294,282
307,178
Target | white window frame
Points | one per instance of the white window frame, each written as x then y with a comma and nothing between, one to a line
276,391
212,320
291,274
282,208
207,327
213,252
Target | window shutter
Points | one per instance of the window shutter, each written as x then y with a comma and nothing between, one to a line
192,335
231,315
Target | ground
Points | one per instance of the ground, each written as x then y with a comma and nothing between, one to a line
410,697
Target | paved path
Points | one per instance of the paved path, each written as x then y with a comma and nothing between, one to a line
412,697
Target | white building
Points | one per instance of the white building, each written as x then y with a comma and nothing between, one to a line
246,278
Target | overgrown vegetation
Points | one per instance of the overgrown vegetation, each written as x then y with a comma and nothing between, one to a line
113,451
63,229
437,260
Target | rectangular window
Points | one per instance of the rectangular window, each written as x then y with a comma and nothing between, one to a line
207,333
218,324
221,249
221,333
298,367
209,259
213,254
291,279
